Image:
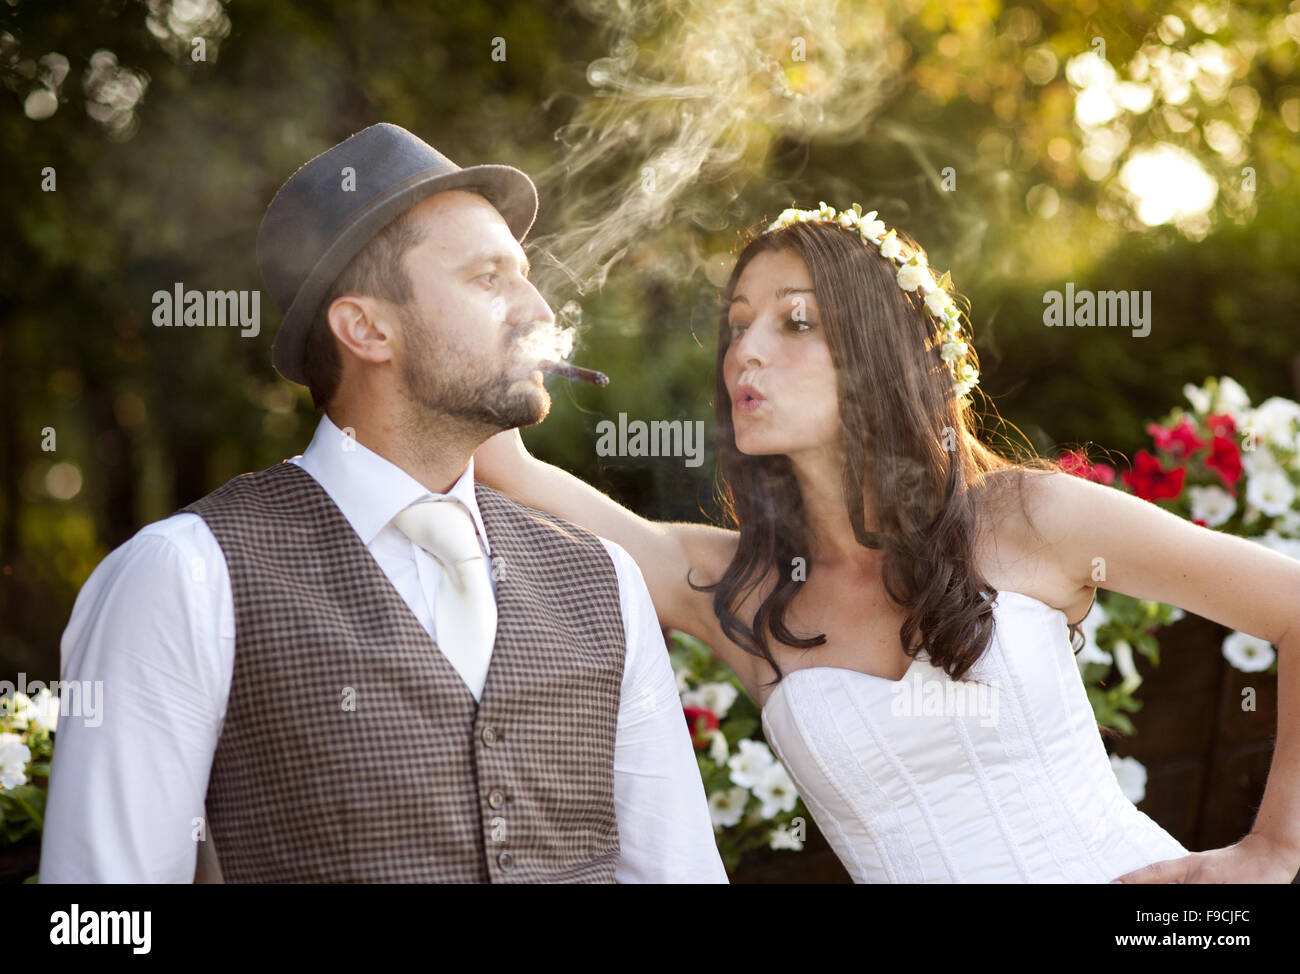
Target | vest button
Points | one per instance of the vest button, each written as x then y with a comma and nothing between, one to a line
489,736
506,861
496,799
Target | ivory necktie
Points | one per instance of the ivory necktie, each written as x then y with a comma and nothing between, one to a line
465,613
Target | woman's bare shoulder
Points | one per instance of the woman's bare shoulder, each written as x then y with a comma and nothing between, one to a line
1018,532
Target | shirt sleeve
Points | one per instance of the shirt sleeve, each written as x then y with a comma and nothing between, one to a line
151,644
664,829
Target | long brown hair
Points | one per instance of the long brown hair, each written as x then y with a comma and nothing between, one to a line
910,447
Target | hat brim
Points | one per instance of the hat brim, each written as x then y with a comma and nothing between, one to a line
507,188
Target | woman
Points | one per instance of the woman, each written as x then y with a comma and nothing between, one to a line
879,540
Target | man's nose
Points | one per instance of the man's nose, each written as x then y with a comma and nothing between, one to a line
530,306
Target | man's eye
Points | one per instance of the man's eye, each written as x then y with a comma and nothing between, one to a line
491,274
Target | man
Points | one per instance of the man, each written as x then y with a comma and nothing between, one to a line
359,665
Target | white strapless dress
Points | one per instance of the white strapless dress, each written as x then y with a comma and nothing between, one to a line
1006,784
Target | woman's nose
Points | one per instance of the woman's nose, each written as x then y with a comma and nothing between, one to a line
751,347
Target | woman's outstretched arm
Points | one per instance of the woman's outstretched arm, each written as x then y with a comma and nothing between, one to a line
1149,553
665,552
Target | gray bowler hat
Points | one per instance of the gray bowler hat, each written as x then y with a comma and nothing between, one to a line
314,227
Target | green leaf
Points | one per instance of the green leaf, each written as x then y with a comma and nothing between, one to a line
738,728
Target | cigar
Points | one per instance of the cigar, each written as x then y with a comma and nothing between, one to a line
575,372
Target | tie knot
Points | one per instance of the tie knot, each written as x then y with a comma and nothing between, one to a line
444,529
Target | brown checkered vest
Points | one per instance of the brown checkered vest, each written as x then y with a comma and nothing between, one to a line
351,749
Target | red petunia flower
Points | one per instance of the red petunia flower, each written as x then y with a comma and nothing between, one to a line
1181,440
700,720
1221,424
1225,460
1077,464
1102,473
1151,481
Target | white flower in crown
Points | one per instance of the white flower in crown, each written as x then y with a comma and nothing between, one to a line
787,217
891,246
913,275
952,350
871,228
938,303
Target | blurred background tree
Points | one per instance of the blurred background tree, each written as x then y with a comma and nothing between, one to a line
1143,146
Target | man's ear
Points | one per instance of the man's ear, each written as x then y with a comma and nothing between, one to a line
365,326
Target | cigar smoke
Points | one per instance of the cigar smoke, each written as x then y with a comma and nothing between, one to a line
546,346
692,97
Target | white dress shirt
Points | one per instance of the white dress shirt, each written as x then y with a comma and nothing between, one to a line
124,796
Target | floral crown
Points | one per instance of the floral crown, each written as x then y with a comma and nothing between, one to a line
912,273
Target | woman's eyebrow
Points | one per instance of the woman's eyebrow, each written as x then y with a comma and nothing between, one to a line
780,293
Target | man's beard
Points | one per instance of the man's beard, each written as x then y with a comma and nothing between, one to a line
443,379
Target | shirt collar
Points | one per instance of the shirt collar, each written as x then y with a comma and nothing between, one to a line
370,490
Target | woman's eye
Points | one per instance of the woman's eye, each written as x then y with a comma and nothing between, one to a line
800,326
738,328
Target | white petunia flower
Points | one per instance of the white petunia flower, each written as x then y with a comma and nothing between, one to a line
1260,459
683,675
717,697
1198,397
783,838
14,755
1289,524
748,766
727,807
18,708
1213,505
1271,491
1231,398
718,750
1132,777
42,709
776,791
45,709
1127,668
1282,545
1248,653
1277,420
848,219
